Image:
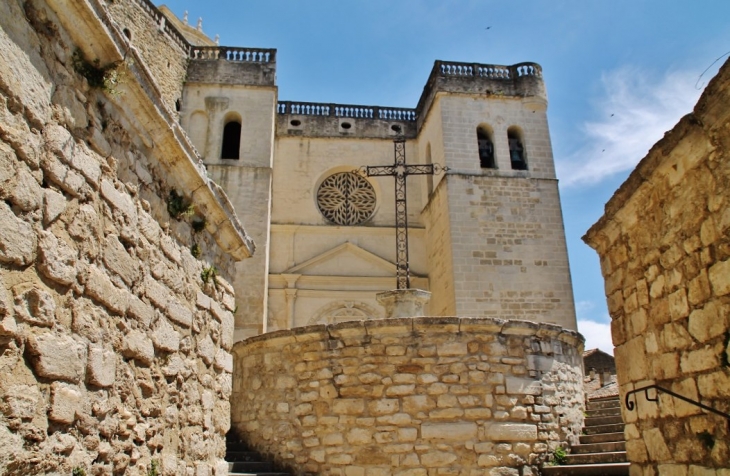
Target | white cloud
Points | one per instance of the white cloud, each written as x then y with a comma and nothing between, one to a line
597,334
634,111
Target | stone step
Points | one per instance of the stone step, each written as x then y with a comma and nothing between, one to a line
611,411
256,467
602,438
612,428
597,458
611,469
609,446
604,420
607,403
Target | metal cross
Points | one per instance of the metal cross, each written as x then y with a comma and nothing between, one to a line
400,170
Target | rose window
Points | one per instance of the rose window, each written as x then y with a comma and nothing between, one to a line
346,199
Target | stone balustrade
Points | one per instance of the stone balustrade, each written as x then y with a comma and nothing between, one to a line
446,395
490,71
229,53
346,110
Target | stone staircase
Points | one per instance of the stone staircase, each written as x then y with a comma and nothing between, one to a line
244,462
602,448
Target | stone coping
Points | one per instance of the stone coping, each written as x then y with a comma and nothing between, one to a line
415,325
160,131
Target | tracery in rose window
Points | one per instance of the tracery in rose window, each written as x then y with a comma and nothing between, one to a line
346,199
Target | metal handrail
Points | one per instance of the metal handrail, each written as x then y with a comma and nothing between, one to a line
630,405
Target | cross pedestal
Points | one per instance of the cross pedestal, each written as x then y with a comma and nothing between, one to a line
403,302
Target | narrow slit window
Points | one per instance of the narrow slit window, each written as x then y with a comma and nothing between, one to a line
486,149
516,150
231,140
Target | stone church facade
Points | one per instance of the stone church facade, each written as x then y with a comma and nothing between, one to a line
486,237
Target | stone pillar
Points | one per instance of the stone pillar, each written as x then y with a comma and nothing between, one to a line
403,302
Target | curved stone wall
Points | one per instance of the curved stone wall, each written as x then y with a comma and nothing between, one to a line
406,395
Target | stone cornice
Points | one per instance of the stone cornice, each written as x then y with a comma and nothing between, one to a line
155,124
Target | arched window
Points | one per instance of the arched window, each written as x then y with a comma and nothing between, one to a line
516,149
486,148
231,140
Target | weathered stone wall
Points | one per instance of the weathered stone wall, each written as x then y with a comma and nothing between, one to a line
664,244
113,351
410,396
164,51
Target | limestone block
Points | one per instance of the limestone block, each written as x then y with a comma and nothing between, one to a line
65,402
698,360
69,180
227,329
27,194
73,111
58,357
675,337
450,349
678,305
708,322
120,201
36,307
720,277
511,432
437,459
223,361
138,346
100,287
22,401
656,446
672,469
383,406
167,245
17,239
206,349
8,162
12,445
523,386
57,260
84,223
179,313
400,390
102,365
504,471
140,310
117,259
714,385
54,204
165,337
457,431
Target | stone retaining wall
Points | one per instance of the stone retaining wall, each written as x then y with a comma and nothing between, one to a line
410,396
113,350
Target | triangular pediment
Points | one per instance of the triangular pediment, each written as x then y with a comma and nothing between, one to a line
346,259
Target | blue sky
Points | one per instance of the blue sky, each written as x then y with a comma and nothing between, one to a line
619,74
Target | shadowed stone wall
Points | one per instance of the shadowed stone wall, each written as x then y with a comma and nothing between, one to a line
114,352
664,244
410,395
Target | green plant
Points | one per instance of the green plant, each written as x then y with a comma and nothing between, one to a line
78,471
154,468
199,224
560,456
178,207
107,78
196,251
209,273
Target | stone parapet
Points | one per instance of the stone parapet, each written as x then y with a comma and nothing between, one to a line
410,394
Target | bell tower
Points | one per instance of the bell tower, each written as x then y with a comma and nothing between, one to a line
494,228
